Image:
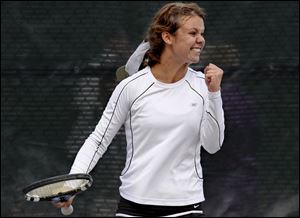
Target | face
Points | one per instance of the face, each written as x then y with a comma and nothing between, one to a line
188,41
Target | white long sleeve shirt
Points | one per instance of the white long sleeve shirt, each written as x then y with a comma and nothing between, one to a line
165,126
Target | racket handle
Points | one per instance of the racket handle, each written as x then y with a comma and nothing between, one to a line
67,210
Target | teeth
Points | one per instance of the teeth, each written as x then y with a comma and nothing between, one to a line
197,49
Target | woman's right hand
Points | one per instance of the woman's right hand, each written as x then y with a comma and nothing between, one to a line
64,204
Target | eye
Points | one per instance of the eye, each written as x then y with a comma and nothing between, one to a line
193,33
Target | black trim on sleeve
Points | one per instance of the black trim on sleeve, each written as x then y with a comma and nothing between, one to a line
218,127
112,117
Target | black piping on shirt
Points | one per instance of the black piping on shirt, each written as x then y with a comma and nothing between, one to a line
217,125
111,118
195,164
131,126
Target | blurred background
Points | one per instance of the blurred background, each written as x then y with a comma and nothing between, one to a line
58,65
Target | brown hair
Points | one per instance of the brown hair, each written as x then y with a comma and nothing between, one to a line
167,19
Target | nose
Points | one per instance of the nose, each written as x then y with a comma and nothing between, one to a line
200,39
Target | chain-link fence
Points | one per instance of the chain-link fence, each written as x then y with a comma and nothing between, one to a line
58,63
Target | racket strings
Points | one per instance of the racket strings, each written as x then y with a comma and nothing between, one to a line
58,187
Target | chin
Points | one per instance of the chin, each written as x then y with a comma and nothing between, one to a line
194,61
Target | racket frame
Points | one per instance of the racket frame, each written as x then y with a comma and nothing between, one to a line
63,196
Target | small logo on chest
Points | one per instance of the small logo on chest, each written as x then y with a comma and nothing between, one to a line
193,104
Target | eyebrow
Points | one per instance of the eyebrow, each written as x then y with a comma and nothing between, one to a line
193,28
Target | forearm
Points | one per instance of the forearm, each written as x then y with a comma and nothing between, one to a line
88,156
213,125
98,141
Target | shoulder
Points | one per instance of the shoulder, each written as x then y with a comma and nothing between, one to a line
137,78
196,81
132,84
196,74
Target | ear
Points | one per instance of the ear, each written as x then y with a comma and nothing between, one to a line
167,37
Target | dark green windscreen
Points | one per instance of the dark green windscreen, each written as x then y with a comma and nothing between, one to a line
58,64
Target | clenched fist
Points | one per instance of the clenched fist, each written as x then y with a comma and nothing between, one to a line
213,77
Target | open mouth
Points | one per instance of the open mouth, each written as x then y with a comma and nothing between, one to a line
196,49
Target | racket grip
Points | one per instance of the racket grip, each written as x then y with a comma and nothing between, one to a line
67,210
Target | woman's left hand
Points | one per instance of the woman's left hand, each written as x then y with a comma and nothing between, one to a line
213,77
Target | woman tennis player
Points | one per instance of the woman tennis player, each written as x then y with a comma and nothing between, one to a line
169,111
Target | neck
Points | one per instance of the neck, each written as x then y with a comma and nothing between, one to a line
169,72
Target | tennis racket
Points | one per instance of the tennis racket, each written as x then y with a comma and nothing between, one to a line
58,189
